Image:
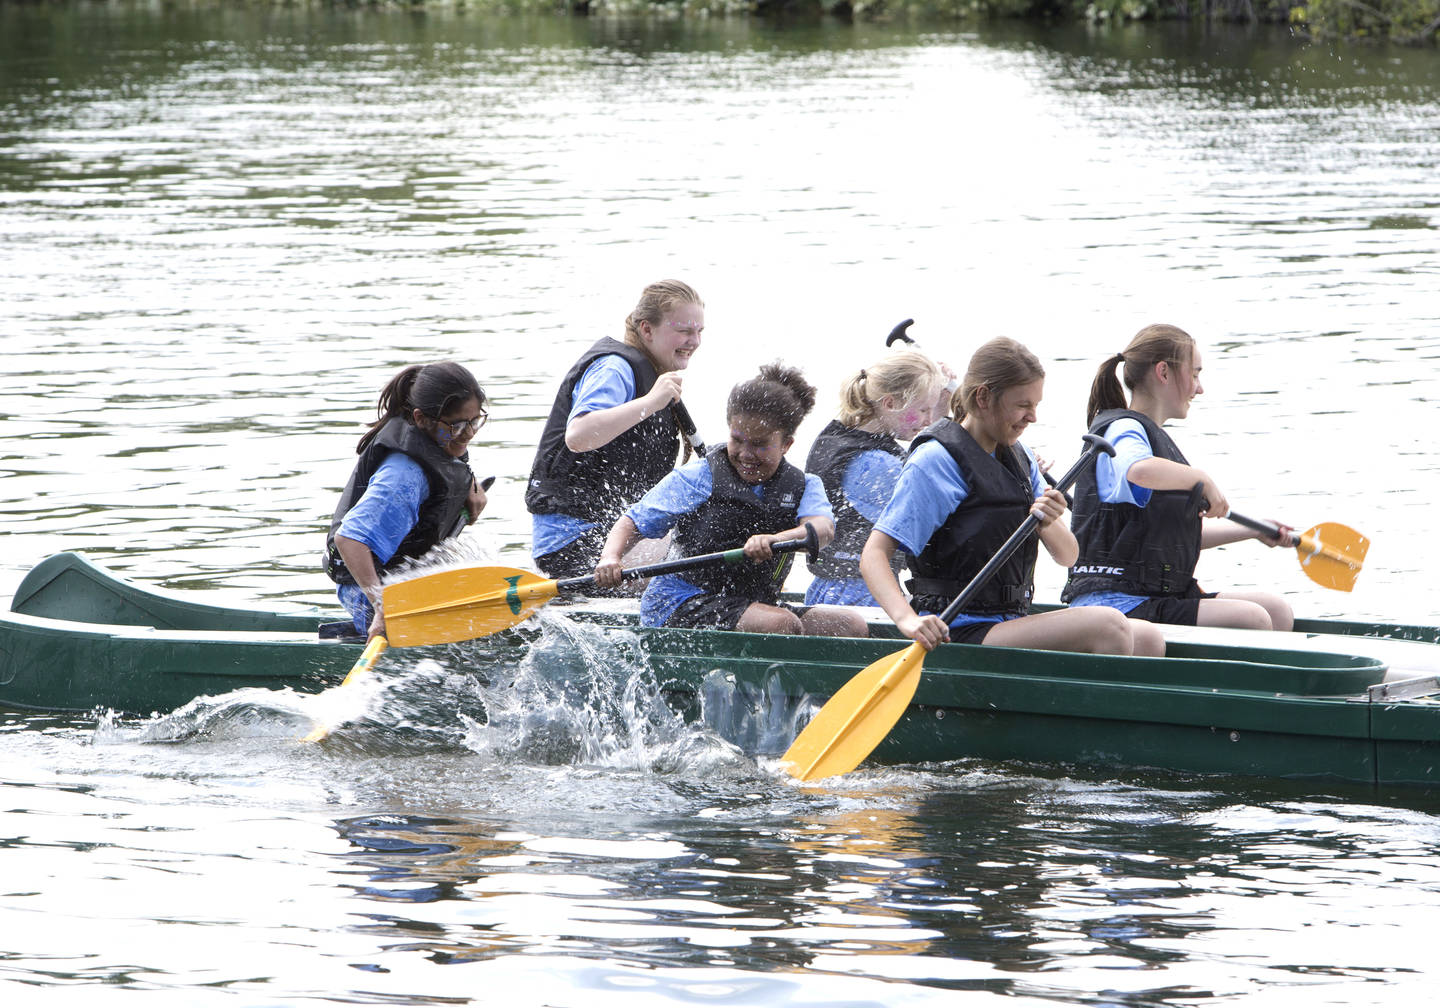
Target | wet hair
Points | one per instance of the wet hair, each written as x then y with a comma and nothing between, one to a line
999,364
904,374
1150,346
433,389
778,395
655,301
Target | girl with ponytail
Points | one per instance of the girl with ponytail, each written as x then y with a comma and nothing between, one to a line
411,487
857,457
1139,516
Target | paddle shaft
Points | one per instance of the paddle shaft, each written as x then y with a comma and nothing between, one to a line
1269,528
1094,445
811,545
1307,542
687,427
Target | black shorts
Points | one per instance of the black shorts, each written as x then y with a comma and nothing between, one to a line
1183,610
719,612
971,633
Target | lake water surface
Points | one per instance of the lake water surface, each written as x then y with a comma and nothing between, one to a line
224,230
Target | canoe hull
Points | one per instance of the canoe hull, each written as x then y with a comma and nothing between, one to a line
1255,711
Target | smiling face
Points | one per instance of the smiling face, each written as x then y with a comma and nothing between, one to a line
455,427
675,338
756,449
1184,385
1000,420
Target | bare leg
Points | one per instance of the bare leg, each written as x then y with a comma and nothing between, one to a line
1282,617
834,621
1090,629
1235,612
1148,639
759,618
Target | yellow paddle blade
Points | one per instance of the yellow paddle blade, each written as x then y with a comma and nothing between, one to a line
857,718
462,604
357,673
1332,554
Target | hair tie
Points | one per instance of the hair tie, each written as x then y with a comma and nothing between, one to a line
1119,357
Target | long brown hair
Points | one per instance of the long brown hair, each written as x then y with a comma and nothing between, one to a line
1150,346
431,388
999,364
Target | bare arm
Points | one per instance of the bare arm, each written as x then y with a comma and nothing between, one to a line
623,535
927,631
1162,474
360,562
597,429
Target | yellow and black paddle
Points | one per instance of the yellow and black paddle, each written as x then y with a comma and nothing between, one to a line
858,717
1330,554
458,605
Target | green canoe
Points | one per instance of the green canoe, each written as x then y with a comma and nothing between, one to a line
1281,705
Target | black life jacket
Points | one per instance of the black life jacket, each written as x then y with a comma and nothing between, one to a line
597,486
731,515
830,457
441,513
999,500
1148,551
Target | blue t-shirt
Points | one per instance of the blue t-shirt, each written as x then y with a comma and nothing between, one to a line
868,483
681,493
1131,445
608,381
381,519
930,488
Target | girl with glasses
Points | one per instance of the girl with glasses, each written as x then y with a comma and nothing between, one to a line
411,487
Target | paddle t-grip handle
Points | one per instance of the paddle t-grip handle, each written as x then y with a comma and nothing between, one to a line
899,335
1094,445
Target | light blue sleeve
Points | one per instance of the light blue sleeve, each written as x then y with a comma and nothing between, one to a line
390,506
679,493
930,488
870,481
1131,445
607,382
813,502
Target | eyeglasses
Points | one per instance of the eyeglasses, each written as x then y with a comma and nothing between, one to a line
460,428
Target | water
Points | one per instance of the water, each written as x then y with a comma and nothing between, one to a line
225,229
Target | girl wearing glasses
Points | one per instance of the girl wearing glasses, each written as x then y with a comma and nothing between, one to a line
611,435
1138,515
412,486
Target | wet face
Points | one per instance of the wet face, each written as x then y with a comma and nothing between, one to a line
455,427
676,337
903,421
756,449
1003,418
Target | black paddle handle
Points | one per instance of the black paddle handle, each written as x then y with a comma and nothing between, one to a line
1094,445
687,427
899,333
810,544
1270,529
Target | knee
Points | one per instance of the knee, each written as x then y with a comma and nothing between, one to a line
770,620
1256,617
1110,633
1147,640
835,621
1282,617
